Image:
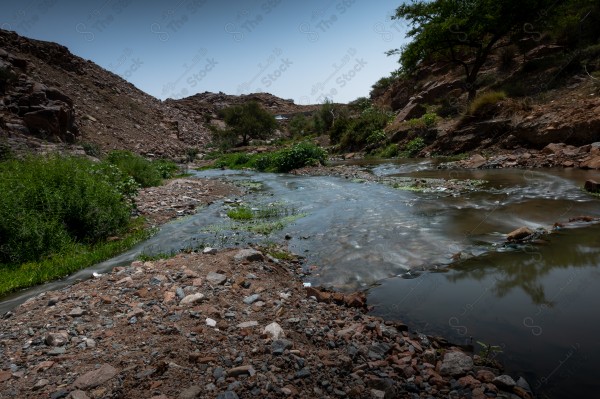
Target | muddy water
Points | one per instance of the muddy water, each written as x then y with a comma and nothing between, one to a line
436,260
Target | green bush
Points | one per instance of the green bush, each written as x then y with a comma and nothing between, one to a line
91,149
48,204
235,160
357,132
294,157
484,99
414,147
391,151
298,156
143,171
166,169
299,125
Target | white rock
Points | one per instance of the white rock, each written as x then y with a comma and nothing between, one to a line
247,324
211,322
192,299
209,250
274,330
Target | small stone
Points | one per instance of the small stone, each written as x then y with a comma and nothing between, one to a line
77,312
78,394
279,346
304,373
179,292
248,324
53,301
211,322
56,339
96,377
504,382
379,350
60,394
275,330
190,393
249,300
485,376
250,255
227,395
192,299
209,251
377,394
218,373
241,370
40,384
5,375
216,278
57,351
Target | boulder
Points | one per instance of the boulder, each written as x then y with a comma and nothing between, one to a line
456,363
592,186
553,148
519,234
591,163
54,121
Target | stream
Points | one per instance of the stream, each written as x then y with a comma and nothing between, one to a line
434,260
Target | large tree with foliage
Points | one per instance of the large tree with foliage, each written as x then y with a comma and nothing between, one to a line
249,121
463,32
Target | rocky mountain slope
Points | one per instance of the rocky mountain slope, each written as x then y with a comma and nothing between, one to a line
547,97
51,98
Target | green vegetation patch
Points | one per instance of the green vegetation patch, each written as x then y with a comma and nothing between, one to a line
294,157
73,257
59,214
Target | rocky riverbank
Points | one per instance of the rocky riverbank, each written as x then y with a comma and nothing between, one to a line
179,197
235,323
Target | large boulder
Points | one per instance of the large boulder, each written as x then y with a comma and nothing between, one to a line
55,122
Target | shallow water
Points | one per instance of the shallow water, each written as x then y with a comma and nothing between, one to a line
435,260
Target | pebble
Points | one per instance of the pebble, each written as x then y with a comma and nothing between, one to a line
211,322
192,299
279,346
248,324
249,300
274,330
216,278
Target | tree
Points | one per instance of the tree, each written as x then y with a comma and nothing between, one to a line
249,121
464,32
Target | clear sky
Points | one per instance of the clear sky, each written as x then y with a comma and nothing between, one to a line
303,50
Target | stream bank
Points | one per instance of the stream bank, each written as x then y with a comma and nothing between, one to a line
229,324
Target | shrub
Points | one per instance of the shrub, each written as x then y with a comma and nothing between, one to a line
91,149
391,151
142,170
414,147
484,100
166,168
298,156
358,130
47,204
299,125
428,120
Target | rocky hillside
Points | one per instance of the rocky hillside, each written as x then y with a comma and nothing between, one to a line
50,98
209,104
542,93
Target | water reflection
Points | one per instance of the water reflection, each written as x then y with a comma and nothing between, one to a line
524,266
